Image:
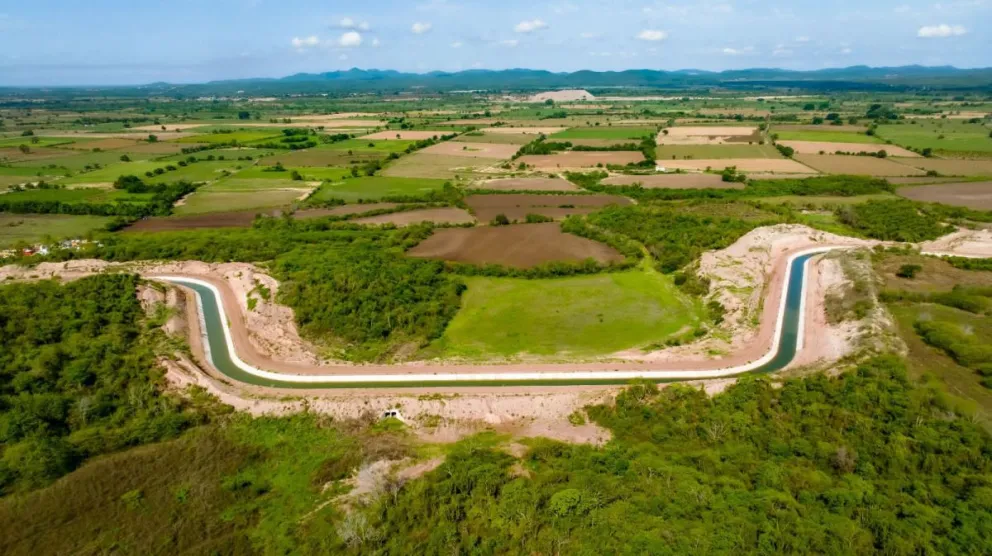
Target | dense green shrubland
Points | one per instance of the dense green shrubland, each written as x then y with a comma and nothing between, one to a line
78,377
896,220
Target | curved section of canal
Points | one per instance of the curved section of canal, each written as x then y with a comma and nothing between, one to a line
220,349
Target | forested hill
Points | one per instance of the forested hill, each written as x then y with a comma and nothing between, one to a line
865,78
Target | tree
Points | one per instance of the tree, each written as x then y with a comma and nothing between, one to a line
152,138
500,220
125,158
24,148
244,115
909,271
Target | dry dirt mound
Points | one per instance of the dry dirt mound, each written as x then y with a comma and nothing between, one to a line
518,206
568,95
965,243
521,246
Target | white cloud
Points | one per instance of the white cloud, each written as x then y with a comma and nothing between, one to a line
588,35
456,44
348,23
375,41
305,42
419,28
530,26
350,39
738,51
802,39
510,43
781,50
940,31
846,50
343,57
652,35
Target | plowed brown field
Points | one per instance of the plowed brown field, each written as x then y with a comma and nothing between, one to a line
521,246
675,181
974,195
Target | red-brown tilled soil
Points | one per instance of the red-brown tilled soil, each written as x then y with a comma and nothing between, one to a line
974,195
675,181
521,246
241,219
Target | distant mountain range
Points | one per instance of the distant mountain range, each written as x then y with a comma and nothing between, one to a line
757,79
854,77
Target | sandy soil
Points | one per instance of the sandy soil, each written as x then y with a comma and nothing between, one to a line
747,279
473,150
527,184
815,147
964,243
578,159
569,95
404,135
444,215
770,165
674,181
705,135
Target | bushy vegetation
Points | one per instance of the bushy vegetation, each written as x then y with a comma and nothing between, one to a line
964,348
78,377
895,220
861,463
673,237
158,204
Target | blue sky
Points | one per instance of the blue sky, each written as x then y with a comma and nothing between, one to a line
78,42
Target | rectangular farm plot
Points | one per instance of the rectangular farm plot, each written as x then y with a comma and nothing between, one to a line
949,167
576,159
205,201
939,135
403,135
859,165
366,145
708,135
523,130
237,183
239,136
728,150
376,187
423,165
242,219
973,195
633,134
520,246
494,138
674,181
527,184
442,215
472,150
516,207
308,173
765,165
31,228
817,147
826,135
322,157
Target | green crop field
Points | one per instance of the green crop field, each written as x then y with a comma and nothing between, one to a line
110,173
580,316
76,161
239,136
385,146
309,173
826,135
207,200
239,183
32,228
81,195
606,132
30,141
940,135
376,187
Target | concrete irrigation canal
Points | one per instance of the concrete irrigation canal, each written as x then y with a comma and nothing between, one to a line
220,349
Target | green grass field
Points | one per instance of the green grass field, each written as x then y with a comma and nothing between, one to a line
82,195
369,145
77,160
826,135
110,173
239,136
581,316
29,141
309,173
939,135
238,183
199,171
208,200
702,152
375,187
32,228
605,132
